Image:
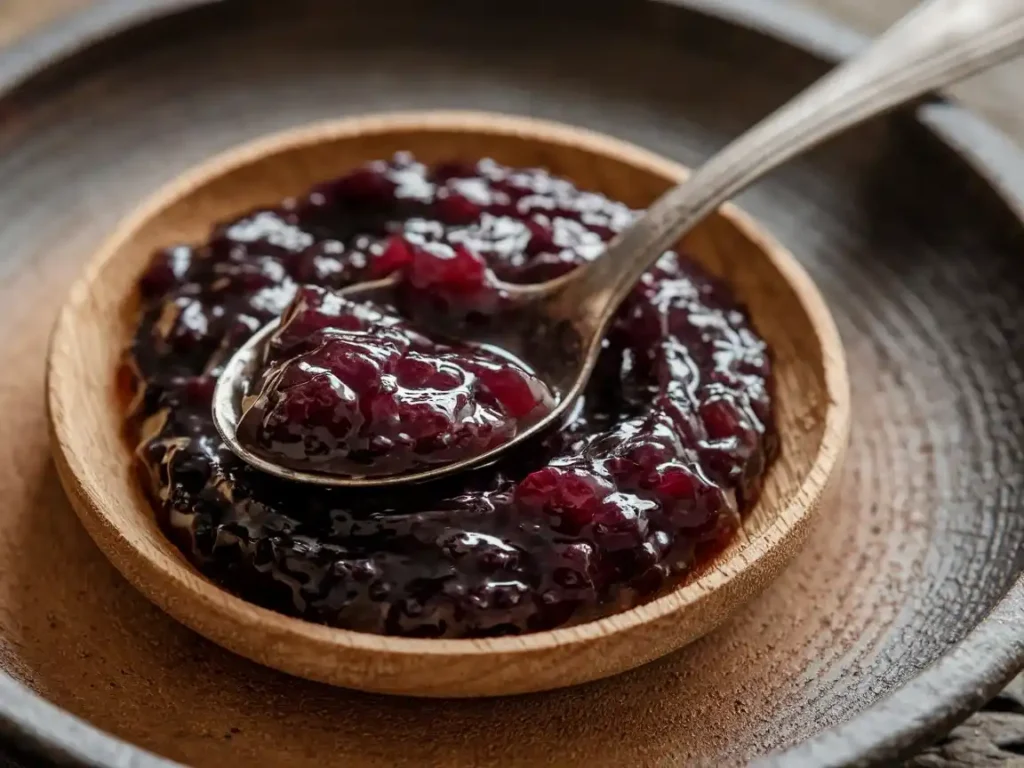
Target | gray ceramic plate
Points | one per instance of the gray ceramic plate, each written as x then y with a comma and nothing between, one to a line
906,609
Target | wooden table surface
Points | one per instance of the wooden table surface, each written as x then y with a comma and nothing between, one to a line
995,736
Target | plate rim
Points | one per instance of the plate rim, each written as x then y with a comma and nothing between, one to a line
926,706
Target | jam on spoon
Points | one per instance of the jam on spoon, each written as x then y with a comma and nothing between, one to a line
354,389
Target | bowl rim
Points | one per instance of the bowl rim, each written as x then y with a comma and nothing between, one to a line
924,707
146,570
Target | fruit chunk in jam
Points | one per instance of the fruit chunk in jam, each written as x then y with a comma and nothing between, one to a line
353,389
650,475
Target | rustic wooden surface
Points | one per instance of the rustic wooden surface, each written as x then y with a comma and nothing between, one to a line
995,94
18,17
994,737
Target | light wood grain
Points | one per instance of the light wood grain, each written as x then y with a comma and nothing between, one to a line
95,467
21,17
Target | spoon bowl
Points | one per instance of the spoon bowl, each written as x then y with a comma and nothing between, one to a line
556,358
86,410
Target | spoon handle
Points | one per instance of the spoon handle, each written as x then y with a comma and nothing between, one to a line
936,44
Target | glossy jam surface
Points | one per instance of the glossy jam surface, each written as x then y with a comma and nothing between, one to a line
356,390
647,480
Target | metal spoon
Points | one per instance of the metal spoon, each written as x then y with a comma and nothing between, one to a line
559,325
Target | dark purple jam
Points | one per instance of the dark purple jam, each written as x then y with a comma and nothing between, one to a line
644,483
354,389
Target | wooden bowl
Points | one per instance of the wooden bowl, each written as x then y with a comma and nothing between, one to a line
94,462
